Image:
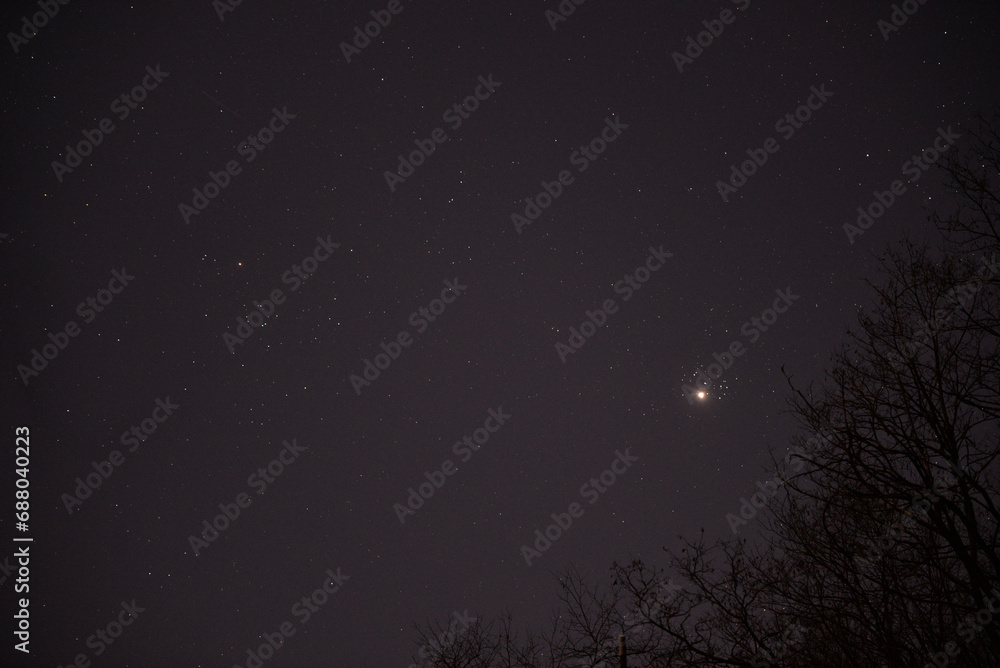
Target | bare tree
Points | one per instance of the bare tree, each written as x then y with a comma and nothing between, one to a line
882,547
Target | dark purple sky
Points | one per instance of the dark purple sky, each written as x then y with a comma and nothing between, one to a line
475,309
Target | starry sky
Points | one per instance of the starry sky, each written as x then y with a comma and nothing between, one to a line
390,302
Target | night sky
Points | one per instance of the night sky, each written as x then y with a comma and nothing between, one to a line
397,300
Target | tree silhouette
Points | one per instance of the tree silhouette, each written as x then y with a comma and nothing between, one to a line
881,547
